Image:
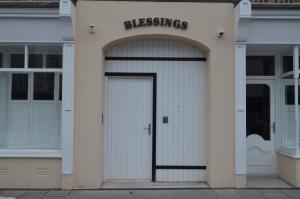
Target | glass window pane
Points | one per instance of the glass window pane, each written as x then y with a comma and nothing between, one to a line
287,63
290,95
43,86
54,61
19,87
258,110
53,55
14,61
35,61
17,60
260,66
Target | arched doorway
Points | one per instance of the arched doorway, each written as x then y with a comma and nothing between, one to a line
155,111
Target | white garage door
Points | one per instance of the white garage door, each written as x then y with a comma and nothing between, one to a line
177,149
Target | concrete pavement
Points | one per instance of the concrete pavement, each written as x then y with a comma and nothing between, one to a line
155,194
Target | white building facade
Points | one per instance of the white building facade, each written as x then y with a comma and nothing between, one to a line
267,78
36,92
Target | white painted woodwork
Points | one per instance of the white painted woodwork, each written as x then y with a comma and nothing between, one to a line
261,155
2,107
180,96
17,29
29,124
240,109
128,143
272,31
288,118
44,124
65,7
67,114
296,80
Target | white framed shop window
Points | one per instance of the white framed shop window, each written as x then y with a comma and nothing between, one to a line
289,103
31,100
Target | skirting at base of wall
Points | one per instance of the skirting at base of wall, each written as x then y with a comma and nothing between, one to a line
240,181
67,182
38,173
289,169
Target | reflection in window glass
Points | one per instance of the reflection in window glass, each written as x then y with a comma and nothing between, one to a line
260,66
17,60
54,61
35,61
287,63
43,86
19,87
290,95
258,110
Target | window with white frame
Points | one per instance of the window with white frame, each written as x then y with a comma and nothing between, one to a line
30,96
289,111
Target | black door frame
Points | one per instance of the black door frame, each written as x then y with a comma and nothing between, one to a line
154,94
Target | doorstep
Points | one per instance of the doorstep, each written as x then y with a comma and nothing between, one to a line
266,182
152,185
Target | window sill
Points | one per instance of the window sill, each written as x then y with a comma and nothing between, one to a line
30,153
288,154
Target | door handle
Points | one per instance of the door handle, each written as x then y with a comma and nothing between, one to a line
273,127
149,129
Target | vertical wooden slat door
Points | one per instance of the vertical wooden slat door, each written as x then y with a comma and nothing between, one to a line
181,83
128,140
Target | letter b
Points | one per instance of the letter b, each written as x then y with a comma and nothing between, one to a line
128,25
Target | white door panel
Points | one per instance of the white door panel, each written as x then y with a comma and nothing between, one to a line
45,135
261,156
129,113
17,131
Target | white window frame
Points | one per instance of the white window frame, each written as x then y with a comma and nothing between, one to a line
294,73
68,165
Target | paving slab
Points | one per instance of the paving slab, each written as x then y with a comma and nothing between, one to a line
266,182
292,193
276,195
250,193
58,193
12,193
32,195
228,193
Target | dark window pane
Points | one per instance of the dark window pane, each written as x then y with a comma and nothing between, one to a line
60,87
43,86
35,61
17,60
290,95
258,110
287,63
53,61
260,66
19,87
1,60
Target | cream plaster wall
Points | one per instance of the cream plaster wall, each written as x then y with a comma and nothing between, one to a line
108,17
289,169
30,173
